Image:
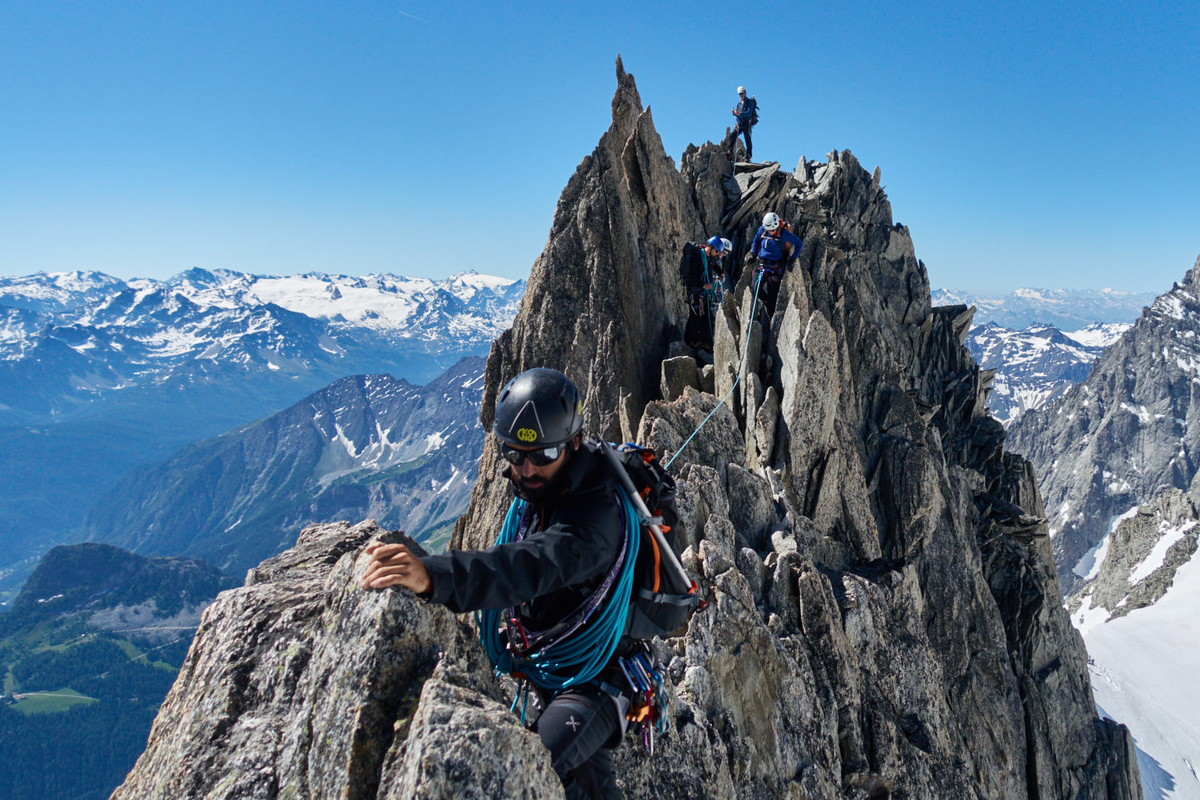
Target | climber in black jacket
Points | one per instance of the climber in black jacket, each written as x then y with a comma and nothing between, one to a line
569,540
701,268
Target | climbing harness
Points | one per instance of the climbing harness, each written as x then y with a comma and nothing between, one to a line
637,599
741,371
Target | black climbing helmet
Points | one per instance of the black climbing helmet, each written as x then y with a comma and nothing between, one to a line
538,408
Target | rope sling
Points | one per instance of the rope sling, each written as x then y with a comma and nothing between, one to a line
577,649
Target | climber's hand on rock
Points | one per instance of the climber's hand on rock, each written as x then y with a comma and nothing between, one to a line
395,565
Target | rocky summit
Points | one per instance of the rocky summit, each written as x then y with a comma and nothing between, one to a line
883,619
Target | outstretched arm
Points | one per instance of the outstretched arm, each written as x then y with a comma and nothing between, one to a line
795,241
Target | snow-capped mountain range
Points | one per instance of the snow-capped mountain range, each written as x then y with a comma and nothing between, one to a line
1065,309
70,339
1041,342
99,375
1038,364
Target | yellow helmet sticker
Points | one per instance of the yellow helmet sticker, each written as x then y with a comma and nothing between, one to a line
527,434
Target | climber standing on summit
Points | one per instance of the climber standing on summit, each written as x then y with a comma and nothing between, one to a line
774,249
746,113
568,544
702,272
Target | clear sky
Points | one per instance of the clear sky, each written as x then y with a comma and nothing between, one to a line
1049,144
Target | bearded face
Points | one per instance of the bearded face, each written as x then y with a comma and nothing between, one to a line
535,483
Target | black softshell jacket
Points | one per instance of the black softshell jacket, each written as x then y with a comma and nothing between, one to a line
693,267
573,541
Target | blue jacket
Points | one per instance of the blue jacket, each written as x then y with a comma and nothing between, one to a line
767,247
745,108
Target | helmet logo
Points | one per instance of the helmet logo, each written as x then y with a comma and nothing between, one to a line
527,434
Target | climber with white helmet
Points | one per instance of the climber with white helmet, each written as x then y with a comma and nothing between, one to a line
774,249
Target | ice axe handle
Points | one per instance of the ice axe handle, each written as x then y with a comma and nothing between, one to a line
640,505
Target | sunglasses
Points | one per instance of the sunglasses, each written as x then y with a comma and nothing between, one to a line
539,458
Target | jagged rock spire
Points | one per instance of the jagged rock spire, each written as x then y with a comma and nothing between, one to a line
604,297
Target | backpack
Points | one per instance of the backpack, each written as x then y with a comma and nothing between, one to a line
753,112
664,595
685,261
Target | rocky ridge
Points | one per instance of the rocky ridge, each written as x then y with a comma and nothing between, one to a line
1137,565
1129,431
884,619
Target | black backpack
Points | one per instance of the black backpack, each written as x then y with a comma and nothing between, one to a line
664,595
753,112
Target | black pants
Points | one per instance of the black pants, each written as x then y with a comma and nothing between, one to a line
768,289
698,332
581,727
745,131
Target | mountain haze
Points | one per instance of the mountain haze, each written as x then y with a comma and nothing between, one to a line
1065,309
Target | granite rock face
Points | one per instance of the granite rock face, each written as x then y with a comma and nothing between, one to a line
883,620
300,684
1128,432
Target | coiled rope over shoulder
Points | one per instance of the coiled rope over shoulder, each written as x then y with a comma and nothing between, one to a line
580,653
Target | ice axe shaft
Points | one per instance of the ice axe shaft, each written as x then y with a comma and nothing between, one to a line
664,547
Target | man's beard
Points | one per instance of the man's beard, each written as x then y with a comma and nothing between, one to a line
541,490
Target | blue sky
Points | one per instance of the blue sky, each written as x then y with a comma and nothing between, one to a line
1049,144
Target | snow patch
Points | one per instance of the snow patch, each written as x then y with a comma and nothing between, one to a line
1140,412
1088,567
1168,536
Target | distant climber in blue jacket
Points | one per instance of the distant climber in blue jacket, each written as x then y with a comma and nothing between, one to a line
774,249
746,117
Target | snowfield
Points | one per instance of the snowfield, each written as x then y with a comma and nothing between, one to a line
1145,670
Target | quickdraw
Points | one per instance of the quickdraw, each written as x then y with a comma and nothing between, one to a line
649,700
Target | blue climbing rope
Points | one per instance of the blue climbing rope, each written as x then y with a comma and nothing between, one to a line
581,654
741,371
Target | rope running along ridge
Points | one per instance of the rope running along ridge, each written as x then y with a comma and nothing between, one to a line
741,371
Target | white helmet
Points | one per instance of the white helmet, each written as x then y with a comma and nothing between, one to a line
741,90
726,247
771,221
